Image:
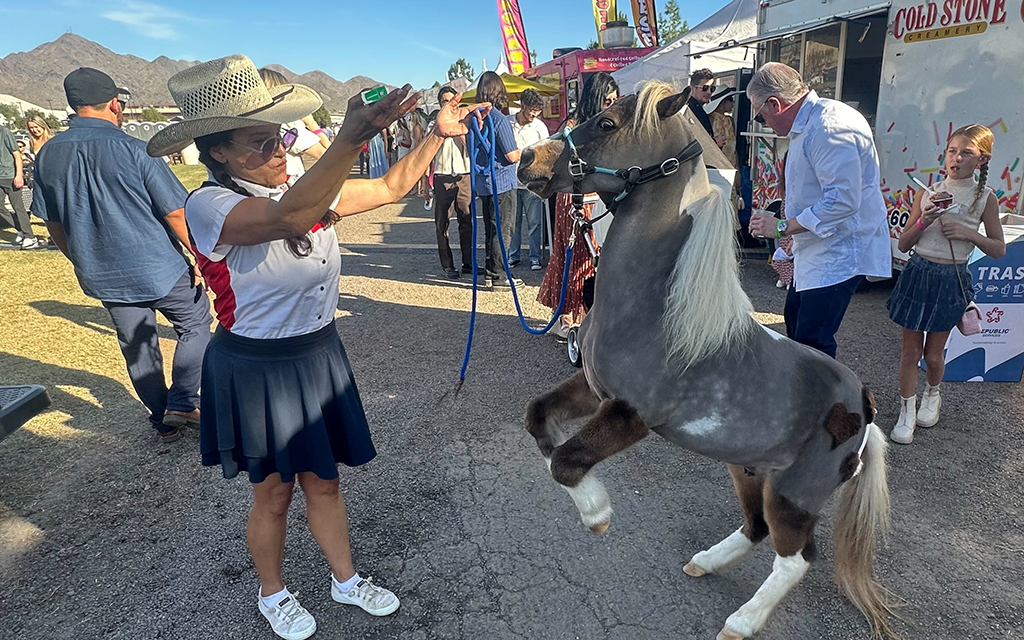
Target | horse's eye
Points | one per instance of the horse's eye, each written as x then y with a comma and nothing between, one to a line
606,124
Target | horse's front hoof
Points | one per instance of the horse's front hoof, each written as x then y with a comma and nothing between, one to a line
694,571
728,634
600,527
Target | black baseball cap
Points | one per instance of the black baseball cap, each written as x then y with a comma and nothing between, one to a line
88,86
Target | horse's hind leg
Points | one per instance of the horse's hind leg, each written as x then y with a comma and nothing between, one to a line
750,490
615,426
545,414
792,532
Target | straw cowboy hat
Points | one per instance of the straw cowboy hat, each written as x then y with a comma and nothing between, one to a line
225,94
722,94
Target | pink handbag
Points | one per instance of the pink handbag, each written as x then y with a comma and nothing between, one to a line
970,323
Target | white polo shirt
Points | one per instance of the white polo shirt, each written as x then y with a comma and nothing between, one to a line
263,291
527,135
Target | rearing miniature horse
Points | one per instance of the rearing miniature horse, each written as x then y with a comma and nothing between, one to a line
670,346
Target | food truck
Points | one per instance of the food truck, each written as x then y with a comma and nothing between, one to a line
569,70
917,71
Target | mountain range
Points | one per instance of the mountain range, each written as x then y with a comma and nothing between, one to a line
38,75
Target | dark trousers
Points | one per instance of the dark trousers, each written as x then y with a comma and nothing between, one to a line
20,219
137,334
813,316
507,213
449,191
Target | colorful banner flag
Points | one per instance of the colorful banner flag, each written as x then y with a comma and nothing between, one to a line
517,52
646,22
604,12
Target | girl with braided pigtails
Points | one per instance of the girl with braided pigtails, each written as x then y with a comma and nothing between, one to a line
934,289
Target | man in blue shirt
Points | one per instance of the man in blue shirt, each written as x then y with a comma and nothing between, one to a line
491,88
118,215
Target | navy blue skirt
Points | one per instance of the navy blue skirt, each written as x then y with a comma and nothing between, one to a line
928,297
281,406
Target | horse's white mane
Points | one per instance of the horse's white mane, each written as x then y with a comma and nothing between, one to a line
646,121
707,310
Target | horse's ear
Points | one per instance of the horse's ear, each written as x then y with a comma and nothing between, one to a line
672,105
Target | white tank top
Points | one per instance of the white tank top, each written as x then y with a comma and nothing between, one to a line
932,243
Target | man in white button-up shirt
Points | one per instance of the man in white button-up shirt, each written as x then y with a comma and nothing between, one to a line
834,206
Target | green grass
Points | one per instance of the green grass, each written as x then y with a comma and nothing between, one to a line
190,175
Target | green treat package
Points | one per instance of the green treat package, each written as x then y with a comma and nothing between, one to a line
373,95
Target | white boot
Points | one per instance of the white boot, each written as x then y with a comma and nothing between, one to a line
931,404
903,432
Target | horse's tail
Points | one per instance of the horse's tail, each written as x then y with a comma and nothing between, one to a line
863,517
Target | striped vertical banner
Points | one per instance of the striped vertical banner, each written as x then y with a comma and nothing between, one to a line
604,12
646,22
513,35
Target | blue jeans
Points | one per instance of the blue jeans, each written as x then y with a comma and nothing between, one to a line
138,337
813,316
531,207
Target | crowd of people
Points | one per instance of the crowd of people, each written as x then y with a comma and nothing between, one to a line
271,390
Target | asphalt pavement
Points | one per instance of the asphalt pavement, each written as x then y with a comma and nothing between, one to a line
117,536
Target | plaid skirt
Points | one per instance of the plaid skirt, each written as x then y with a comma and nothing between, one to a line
928,296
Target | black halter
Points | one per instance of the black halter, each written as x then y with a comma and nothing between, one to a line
633,176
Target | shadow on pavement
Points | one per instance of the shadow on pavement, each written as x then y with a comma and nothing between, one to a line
90,317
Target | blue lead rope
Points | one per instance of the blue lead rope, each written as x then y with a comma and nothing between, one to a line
483,141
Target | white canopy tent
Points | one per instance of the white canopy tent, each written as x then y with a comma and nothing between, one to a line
674,62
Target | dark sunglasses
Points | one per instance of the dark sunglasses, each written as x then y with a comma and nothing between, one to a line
707,87
122,103
268,148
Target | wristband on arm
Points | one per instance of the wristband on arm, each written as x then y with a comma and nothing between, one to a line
919,225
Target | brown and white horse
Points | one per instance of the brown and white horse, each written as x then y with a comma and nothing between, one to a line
670,346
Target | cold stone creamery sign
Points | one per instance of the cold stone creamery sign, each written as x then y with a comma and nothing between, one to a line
948,19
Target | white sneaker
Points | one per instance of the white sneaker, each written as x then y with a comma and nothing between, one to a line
903,432
18,239
374,600
288,618
32,243
931,405
535,265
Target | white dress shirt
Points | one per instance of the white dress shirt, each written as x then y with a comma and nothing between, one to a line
833,190
526,135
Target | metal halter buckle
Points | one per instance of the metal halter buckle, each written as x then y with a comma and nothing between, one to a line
669,166
577,167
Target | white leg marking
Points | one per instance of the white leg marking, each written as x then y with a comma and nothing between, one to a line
591,499
750,618
725,553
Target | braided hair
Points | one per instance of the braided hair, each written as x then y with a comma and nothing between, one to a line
300,246
981,137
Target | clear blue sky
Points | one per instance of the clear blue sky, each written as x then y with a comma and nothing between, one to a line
394,41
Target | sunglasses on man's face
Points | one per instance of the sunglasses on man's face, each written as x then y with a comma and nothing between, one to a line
758,118
707,87
269,147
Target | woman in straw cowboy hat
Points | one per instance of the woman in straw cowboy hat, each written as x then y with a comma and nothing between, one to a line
278,397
